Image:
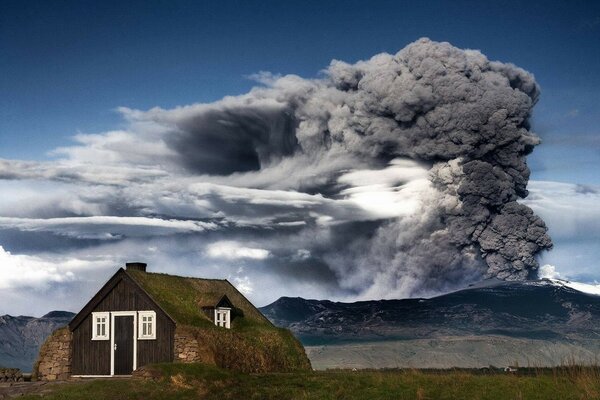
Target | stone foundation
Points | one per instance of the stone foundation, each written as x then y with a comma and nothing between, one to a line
54,359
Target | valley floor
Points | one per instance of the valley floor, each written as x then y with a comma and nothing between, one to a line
194,381
458,351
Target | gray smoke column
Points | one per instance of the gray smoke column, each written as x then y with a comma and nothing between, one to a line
466,118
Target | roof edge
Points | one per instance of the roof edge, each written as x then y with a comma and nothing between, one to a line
249,302
150,296
96,298
104,291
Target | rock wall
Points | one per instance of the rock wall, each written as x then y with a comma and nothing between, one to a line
189,350
186,348
54,360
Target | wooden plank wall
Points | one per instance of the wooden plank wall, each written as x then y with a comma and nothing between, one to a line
92,357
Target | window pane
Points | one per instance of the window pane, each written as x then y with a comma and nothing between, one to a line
149,329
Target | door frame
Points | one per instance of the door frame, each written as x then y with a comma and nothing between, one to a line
114,314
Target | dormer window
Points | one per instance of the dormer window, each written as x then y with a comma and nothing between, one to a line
146,325
223,317
100,326
221,312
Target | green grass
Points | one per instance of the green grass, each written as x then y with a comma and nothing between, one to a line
176,295
183,298
196,381
251,348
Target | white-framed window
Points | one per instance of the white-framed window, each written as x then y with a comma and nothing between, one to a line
146,325
223,317
100,326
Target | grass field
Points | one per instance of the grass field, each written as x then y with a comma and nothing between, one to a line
195,381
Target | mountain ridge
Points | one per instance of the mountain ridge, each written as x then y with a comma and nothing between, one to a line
541,321
21,337
534,309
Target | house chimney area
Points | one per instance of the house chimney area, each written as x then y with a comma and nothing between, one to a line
136,266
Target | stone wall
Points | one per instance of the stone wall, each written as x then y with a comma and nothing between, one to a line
54,359
188,349
11,375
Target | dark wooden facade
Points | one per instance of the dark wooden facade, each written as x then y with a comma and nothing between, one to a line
121,293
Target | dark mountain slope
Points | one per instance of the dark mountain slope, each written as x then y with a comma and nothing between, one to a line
534,309
21,337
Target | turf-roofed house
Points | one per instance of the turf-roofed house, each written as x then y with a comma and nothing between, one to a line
139,318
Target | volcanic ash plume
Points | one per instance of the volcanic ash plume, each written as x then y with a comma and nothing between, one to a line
460,115
465,117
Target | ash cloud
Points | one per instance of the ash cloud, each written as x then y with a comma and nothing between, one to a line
467,118
400,175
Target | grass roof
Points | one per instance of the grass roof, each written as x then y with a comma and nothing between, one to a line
183,298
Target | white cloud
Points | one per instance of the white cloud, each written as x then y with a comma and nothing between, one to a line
548,271
67,170
17,270
117,148
302,254
569,210
395,191
244,285
231,250
105,227
572,214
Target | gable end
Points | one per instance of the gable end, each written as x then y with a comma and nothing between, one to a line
120,275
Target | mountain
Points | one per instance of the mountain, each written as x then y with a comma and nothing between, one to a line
538,322
21,337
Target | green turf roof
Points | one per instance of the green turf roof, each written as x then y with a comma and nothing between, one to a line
183,298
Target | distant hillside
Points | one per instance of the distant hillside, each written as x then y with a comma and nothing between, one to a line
542,322
21,337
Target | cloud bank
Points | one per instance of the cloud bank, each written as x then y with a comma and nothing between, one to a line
391,177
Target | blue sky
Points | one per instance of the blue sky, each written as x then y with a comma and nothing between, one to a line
67,66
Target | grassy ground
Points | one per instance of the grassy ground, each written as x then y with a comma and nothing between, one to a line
194,381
